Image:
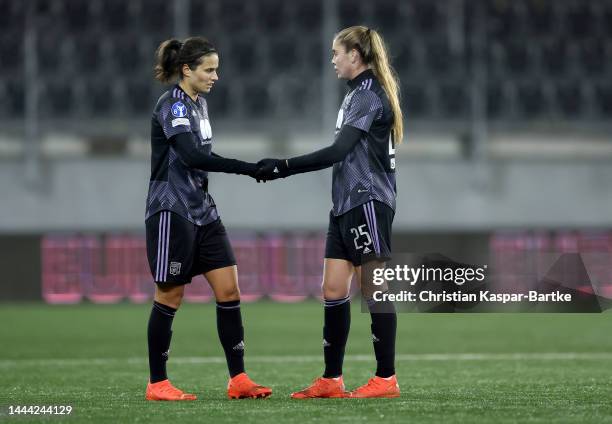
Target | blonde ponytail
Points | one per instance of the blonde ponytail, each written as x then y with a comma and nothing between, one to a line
390,82
373,52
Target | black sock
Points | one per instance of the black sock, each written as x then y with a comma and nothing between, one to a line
384,326
159,333
231,335
337,322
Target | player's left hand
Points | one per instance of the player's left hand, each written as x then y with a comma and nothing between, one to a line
271,169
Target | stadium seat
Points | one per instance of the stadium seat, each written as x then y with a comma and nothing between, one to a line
11,52
594,56
272,15
569,98
454,99
56,98
349,13
415,100
579,19
387,15
99,96
541,18
439,57
15,98
88,53
309,15
156,16
219,102
554,56
532,100
256,99
427,17
603,99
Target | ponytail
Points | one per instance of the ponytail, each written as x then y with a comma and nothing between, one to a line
373,51
172,54
390,82
167,66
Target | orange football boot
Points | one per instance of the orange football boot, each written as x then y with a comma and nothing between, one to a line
323,388
164,390
378,387
241,387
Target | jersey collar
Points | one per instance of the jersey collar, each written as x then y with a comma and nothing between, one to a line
178,87
368,73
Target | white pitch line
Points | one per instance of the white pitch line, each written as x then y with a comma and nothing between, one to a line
534,356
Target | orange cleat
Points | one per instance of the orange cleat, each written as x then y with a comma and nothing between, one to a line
378,387
241,387
164,390
323,388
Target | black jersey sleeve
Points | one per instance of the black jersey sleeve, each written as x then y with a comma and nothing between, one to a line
175,117
185,146
365,107
347,139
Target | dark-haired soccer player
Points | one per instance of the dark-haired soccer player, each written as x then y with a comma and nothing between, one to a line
185,236
369,126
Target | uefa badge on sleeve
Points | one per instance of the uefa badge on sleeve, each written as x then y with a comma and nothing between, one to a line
175,268
179,110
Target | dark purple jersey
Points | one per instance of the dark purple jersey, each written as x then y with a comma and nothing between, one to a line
173,185
368,171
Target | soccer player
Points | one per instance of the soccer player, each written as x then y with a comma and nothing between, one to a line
368,127
185,236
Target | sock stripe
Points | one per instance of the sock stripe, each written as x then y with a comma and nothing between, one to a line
164,309
228,307
335,302
232,304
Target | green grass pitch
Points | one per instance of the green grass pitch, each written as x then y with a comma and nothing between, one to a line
465,368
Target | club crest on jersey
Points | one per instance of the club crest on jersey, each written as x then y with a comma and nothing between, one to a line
175,268
179,110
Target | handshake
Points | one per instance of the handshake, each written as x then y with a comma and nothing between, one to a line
270,169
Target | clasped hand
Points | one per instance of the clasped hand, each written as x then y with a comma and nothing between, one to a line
271,169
